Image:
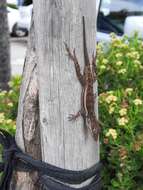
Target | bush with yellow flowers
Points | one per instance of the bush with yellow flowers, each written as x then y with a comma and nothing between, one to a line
120,73
9,104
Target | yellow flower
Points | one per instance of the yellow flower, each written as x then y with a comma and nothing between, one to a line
2,93
125,46
129,90
110,92
102,97
1,120
14,126
137,62
102,94
132,49
113,35
10,104
112,132
122,121
104,61
99,48
111,109
111,98
2,117
102,67
141,67
129,54
118,55
8,121
134,55
121,165
123,112
116,42
10,92
137,102
119,63
122,71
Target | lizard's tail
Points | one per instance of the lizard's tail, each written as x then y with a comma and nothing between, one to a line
86,57
95,128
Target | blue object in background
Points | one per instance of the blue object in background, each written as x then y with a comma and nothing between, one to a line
20,2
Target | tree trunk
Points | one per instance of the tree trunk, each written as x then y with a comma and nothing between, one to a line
4,47
28,129
50,90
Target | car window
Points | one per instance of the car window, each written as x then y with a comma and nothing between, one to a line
112,14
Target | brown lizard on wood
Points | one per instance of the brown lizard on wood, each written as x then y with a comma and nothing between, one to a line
87,80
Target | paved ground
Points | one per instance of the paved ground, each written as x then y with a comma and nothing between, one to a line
18,51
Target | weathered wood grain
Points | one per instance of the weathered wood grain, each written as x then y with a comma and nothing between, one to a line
57,21
28,130
49,71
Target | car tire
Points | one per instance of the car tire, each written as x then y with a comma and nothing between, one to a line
19,32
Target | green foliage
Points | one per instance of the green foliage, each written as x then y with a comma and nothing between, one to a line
9,104
13,6
120,72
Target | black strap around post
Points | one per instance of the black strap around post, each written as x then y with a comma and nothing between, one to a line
50,177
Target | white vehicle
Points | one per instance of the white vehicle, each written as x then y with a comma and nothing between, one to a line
25,17
13,18
14,2
118,16
121,17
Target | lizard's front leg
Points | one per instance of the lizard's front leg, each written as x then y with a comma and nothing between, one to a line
73,117
73,57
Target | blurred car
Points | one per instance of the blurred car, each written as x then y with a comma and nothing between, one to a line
25,17
13,18
14,2
121,17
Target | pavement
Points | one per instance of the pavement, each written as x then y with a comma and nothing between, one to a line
18,48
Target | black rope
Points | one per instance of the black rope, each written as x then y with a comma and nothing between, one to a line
50,176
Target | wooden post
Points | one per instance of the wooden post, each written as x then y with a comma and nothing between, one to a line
49,76
63,143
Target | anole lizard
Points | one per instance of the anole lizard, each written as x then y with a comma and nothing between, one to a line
87,80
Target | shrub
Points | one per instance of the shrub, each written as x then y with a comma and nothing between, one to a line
11,5
9,104
120,72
